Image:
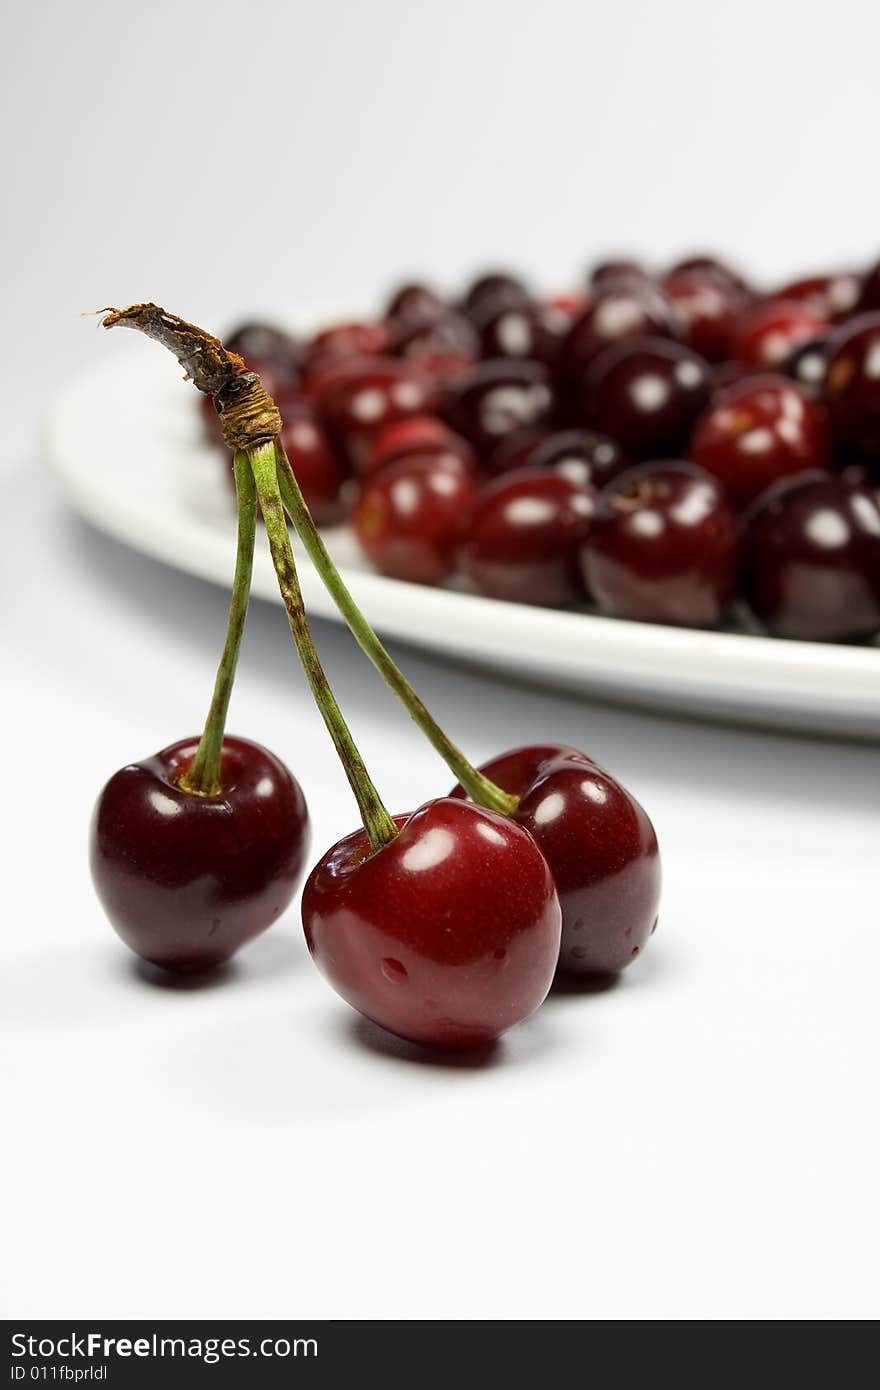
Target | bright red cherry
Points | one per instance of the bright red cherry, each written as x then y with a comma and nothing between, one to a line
646,393
758,431
662,547
707,308
360,404
496,400
852,383
186,880
525,537
618,312
448,936
601,848
827,296
418,434
811,560
767,333
522,328
411,516
582,456
318,467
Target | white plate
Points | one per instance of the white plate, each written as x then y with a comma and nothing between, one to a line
126,441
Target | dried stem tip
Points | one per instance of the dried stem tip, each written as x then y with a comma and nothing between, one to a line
247,413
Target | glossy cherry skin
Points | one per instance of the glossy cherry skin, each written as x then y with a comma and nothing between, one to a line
768,332
759,430
618,312
360,404
646,393
496,400
811,560
423,434
186,880
318,467
601,848
345,340
525,537
807,365
852,383
448,936
582,456
412,515
707,308
662,547
829,297
517,329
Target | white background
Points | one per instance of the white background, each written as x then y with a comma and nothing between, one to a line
700,1141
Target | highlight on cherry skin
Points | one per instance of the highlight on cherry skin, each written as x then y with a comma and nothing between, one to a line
186,879
448,935
601,848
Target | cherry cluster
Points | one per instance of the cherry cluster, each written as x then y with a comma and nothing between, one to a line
677,447
445,926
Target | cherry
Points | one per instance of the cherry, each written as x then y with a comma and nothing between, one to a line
446,335
525,536
318,467
265,342
523,328
490,285
601,848
852,383
767,333
646,393
498,399
759,430
582,456
415,301
869,293
184,879
710,266
411,516
707,307
811,560
448,935
826,296
346,340
807,365
423,434
662,547
618,272
362,402
618,312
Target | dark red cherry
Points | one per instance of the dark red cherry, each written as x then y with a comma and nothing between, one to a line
601,848
710,266
186,880
446,335
411,516
758,431
869,292
811,560
852,383
346,340
492,284
768,332
829,297
498,399
318,467
807,365
423,434
637,311
360,404
707,308
617,272
646,393
662,547
524,328
582,456
448,936
266,342
415,301
525,537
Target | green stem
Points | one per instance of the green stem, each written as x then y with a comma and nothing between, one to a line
480,789
377,822
202,778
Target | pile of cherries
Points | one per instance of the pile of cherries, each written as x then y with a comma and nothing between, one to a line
675,447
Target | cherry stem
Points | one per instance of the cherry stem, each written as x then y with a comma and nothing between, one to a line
202,777
378,824
480,789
